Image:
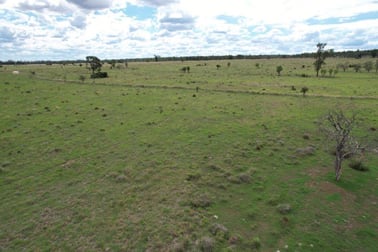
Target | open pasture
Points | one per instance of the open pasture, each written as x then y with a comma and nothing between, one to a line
145,161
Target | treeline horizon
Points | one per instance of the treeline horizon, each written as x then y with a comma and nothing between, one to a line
357,54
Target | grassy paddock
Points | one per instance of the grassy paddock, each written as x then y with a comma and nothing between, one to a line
111,165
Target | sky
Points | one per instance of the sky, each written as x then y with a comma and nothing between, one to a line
125,29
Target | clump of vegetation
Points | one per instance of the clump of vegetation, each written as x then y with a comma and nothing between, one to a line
279,70
320,57
306,151
95,65
206,244
284,208
220,231
82,78
368,65
356,67
256,243
201,201
358,165
323,72
304,90
185,69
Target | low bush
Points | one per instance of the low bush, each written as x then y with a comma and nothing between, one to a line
99,75
358,165
206,244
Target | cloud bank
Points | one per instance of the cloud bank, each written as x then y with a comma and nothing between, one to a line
72,29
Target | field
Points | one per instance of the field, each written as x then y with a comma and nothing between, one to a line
155,159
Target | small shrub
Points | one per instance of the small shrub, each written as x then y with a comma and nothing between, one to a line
206,244
220,231
279,69
193,177
306,136
121,178
358,165
201,201
284,208
306,151
323,72
99,75
304,90
82,78
256,243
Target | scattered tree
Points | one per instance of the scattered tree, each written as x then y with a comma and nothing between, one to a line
343,66
319,57
94,64
304,90
279,69
356,67
338,128
376,66
113,64
218,66
368,65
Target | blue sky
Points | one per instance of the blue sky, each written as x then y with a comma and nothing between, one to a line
73,29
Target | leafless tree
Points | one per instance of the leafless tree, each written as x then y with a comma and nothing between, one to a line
338,128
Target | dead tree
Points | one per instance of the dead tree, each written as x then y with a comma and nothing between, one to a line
338,129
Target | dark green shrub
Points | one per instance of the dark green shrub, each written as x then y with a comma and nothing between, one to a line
99,75
358,165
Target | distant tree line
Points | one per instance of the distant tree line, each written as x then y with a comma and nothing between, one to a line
343,54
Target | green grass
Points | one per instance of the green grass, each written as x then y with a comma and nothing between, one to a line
112,165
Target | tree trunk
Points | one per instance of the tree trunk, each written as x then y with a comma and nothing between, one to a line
338,166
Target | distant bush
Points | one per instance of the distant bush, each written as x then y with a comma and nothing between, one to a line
323,72
82,78
304,90
185,69
279,69
356,67
99,75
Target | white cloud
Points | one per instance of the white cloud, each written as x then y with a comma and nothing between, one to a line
92,4
43,29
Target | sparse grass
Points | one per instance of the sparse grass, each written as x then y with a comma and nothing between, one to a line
114,167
